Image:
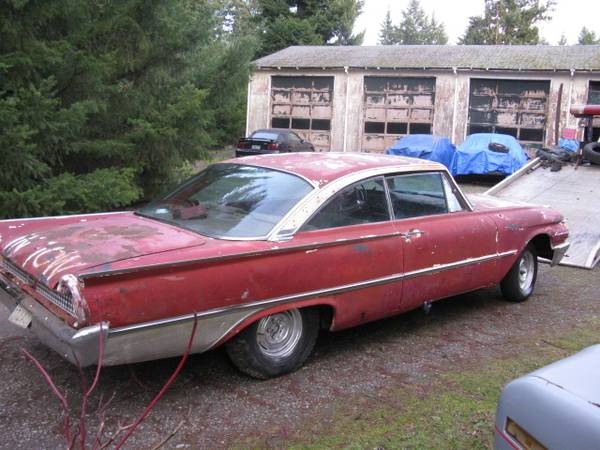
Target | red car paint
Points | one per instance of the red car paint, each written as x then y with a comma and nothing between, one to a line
136,270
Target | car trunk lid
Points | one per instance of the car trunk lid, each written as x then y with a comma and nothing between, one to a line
48,249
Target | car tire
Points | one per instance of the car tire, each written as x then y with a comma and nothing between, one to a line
591,152
519,282
275,344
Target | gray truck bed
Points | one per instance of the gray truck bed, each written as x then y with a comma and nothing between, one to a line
574,192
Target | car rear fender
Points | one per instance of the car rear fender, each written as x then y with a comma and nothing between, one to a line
326,306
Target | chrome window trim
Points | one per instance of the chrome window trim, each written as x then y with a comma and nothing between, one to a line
312,202
264,304
305,209
461,195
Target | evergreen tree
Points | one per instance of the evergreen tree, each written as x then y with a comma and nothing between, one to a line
508,22
307,22
437,32
414,28
387,30
587,37
562,40
101,102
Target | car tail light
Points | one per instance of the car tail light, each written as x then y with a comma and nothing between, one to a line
241,145
273,146
69,287
523,438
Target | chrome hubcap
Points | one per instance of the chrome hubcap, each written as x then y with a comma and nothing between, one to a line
279,334
526,270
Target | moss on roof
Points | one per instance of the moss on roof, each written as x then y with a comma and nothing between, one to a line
504,57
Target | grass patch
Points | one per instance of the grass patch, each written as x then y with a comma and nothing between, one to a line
455,411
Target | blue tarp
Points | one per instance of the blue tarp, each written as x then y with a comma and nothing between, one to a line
569,144
474,155
424,146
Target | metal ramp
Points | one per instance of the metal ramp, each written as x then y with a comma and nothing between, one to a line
574,192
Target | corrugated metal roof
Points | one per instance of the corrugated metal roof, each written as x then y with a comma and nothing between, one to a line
503,57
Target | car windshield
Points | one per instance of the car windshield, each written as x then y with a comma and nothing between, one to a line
230,201
265,135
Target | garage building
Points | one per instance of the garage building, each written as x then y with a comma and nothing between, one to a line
364,98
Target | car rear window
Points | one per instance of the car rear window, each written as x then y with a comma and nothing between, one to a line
265,135
231,201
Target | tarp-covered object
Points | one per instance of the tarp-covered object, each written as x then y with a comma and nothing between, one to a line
474,156
424,146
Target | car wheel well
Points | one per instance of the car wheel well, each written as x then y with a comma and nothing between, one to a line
326,313
542,245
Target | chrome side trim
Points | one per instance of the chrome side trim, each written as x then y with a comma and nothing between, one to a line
211,259
261,304
169,337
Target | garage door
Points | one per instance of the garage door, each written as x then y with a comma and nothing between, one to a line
394,107
303,104
515,107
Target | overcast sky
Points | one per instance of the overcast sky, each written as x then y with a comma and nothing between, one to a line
569,17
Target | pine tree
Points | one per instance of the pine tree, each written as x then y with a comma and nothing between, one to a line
562,40
387,30
101,102
414,28
587,37
307,22
437,32
508,22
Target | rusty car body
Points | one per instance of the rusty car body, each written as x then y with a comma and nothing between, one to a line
263,251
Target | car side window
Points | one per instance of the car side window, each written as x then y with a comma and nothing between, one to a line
360,203
454,203
415,195
292,137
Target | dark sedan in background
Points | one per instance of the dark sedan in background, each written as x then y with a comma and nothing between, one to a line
272,140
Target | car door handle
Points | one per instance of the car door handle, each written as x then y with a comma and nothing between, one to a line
412,233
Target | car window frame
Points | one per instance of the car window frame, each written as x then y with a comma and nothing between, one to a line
333,197
290,226
264,237
443,176
450,184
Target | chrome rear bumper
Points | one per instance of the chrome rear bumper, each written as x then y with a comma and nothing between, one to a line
129,344
74,345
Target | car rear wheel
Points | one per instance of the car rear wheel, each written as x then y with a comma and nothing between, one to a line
275,344
519,282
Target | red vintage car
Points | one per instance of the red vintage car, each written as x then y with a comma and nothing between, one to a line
262,252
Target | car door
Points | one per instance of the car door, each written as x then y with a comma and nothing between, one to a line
352,252
447,248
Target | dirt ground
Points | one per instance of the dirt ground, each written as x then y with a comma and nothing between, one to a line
212,405
218,407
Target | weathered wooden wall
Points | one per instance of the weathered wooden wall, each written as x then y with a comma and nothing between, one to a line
451,109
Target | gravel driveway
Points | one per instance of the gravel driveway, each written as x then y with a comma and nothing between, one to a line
215,406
